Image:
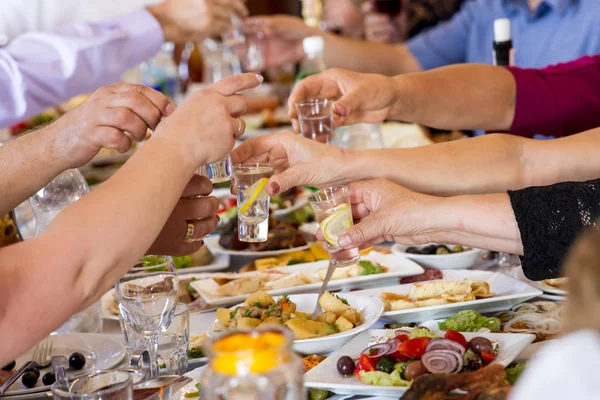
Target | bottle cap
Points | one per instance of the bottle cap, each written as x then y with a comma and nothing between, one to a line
501,30
313,44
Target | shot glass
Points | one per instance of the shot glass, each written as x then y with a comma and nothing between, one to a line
334,215
253,49
99,385
358,137
173,344
253,201
315,119
217,172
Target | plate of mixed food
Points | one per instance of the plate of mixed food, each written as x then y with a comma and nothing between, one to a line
557,286
388,362
231,288
292,203
440,256
458,290
342,318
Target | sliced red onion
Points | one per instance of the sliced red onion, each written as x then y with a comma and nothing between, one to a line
445,344
442,361
379,350
524,307
402,332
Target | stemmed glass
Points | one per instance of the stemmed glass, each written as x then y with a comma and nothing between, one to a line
147,297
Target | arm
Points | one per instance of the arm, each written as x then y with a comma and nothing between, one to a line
111,227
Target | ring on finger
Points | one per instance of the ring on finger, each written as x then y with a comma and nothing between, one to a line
189,234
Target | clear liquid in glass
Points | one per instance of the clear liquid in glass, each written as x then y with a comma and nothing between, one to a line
253,202
318,128
339,257
217,172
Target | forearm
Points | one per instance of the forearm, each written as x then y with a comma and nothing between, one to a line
457,97
90,244
27,164
372,57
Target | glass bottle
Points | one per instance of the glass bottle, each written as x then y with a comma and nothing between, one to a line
314,62
161,73
253,365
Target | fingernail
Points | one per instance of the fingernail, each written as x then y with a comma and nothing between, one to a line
275,188
340,110
344,241
259,77
170,108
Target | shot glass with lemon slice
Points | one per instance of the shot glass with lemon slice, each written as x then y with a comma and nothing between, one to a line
253,201
334,214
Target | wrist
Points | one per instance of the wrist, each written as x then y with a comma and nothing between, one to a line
54,150
402,105
179,148
161,13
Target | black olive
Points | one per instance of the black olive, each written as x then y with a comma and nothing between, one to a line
480,344
35,371
431,249
29,379
412,250
345,366
49,378
412,325
9,366
414,370
76,361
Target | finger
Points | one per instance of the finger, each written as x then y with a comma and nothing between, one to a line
323,86
124,119
111,138
198,186
204,227
366,7
238,127
237,105
359,211
138,104
291,177
373,242
296,125
239,7
193,209
158,99
254,147
237,83
368,229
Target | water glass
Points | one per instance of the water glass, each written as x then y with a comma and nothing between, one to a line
253,201
358,137
315,119
217,172
99,385
172,344
333,211
147,296
253,54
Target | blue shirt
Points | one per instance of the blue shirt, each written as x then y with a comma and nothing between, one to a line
557,31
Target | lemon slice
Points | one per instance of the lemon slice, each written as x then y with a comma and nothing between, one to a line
256,189
336,224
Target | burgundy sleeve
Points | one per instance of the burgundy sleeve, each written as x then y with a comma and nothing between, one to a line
559,100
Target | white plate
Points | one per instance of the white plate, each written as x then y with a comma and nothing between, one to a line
507,292
544,287
100,351
369,307
220,262
397,267
462,260
325,375
213,243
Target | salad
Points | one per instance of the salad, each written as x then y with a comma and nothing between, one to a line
408,354
470,321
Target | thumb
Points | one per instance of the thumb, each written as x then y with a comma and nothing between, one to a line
286,180
368,229
347,104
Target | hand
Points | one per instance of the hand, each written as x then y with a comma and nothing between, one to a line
102,120
207,123
195,20
283,38
297,161
385,211
378,27
201,212
360,97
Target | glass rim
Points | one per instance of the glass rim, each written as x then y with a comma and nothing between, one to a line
313,200
311,102
136,269
57,387
237,167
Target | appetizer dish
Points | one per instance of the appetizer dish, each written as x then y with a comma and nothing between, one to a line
440,256
542,318
436,249
314,253
433,293
312,361
195,348
260,309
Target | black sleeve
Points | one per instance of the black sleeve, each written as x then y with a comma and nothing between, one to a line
550,218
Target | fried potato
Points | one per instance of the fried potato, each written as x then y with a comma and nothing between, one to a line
331,303
271,321
224,315
306,329
301,315
248,323
351,315
240,286
327,317
343,324
260,299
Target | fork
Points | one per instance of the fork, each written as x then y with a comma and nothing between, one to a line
41,358
318,310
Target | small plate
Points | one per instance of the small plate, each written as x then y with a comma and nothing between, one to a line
507,292
369,307
326,376
100,351
544,287
215,247
462,260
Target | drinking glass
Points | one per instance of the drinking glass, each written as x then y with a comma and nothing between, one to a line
172,344
217,172
253,201
358,137
315,119
253,54
99,385
389,7
334,214
147,297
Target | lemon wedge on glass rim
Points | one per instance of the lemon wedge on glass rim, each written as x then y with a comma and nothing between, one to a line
257,189
336,224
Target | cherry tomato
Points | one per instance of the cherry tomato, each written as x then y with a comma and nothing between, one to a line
230,202
403,337
364,364
456,337
487,357
412,348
